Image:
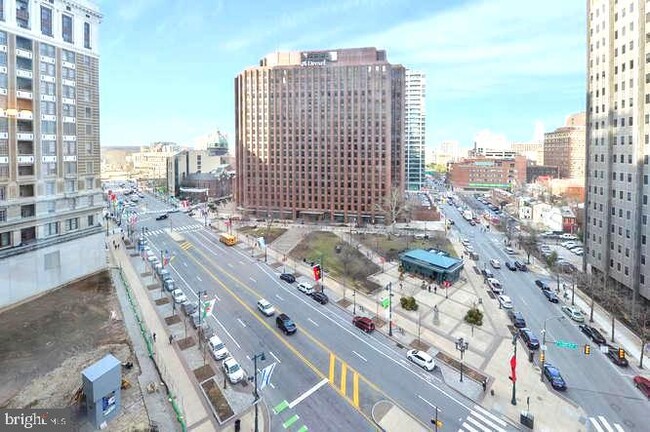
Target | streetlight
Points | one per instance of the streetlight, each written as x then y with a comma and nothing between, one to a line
354,300
390,308
513,365
543,357
461,345
256,357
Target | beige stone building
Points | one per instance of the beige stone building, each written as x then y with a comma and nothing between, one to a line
151,161
565,147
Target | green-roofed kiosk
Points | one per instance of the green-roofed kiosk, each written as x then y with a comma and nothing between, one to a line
431,265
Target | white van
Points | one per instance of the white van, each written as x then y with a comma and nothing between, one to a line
306,288
217,348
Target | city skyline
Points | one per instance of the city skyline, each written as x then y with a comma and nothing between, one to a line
512,70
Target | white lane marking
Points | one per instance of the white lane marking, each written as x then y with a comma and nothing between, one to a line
618,427
251,278
185,264
217,297
427,402
605,423
492,416
279,298
476,423
360,356
468,428
226,331
200,280
272,386
273,355
230,265
596,425
308,393
241,322
312,321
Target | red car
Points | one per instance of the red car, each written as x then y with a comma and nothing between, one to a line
643,384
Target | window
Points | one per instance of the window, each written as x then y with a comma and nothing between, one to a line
66,28
22,13
91,220
89,183
89,129
89,113
3,193
5,239
47,50
50,188
87,35
51,229
46,21
71,224
3,215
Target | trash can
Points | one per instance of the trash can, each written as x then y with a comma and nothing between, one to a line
237,425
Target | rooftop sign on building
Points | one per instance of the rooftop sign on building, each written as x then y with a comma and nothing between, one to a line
317,58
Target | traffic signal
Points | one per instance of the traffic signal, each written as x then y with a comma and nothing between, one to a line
621,353
587,349
436,423
541,357
317,272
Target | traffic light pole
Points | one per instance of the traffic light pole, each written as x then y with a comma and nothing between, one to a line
322,275
390,308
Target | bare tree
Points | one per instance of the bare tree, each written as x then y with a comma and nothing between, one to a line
393,206
643,324
552,262
529,243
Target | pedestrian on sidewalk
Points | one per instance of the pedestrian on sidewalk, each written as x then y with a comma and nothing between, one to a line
171,338
153,336
435,289
484,384
429,287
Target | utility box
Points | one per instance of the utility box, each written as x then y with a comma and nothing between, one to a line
102,383
527,419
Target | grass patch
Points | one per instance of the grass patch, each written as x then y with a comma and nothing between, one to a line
218,400
340,260
269,234
390,246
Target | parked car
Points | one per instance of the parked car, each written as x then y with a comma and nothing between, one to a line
487,272
510,251
550,295
233,371
511,266
288,277
320,297
574,313
495,285
592,334
517,319
189,308
465,242
179,296
529,338
265,307
169,284
521,266
161,217
643,384
505,301
198,321
553,375
364,323
568,236
421,358
614,355
217,348
578,251
543,285
305,288
284,323
495,263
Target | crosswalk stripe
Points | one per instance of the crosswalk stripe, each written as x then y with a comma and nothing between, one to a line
596,425
604,421
489,414
479,425
487,421
467,428
618,427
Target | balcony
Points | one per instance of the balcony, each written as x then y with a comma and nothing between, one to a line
48,137
25,115
48,159
24,53
48,98
23,94
25,136
22,73
68,101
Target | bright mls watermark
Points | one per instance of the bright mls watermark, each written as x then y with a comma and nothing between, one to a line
37,420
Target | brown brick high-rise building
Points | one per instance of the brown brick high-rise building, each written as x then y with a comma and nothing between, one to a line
319,135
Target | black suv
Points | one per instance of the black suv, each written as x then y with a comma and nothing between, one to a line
320,297
288,277
592,334
521,266
529,338
511,266
161,217
284,323
543,285
517,319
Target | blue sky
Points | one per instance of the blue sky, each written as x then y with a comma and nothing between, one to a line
167,66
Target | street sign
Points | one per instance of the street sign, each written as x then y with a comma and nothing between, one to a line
565,344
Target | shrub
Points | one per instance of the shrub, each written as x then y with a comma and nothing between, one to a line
409,303
474,317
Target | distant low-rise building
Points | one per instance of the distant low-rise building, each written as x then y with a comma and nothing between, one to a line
188,162
533,172
485,174
151,161
565,147
216,185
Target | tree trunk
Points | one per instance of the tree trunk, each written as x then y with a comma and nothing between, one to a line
643,342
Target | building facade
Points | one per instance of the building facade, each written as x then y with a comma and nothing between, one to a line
150,163
414,131
533,172
565,147
188,162
534,151
50,186
616,207
485,174
319,135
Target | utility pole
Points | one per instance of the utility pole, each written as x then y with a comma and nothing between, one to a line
256,357
390,308
513,364
461,345
354,300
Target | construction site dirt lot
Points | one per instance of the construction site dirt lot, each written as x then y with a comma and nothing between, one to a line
47,342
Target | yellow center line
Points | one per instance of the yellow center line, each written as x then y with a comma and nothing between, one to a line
355,389
265,324
344,379
332,367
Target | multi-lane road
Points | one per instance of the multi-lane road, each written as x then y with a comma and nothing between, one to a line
605,391
329,375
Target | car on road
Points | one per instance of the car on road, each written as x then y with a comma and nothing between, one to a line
616,358
568,244
486,272
217,348
568,236
495,285
179,296
553,375
495,263
161,217
364,323
593,334
511,266
551,296
284,323
288,277
574,313
189,308
578,251
643,384
543,285
233,371
529,338
521,266
421,358
517,319
265,307
505,301
320,297
173,210
510,251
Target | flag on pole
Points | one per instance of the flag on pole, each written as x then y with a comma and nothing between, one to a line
513,367
264,376
208,306
260,241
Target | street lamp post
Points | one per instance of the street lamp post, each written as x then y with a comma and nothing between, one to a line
390,308
543,358
461,345
354,301
256,357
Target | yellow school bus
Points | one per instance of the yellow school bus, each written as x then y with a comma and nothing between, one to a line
228,239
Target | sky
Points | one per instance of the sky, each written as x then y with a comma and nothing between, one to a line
167,67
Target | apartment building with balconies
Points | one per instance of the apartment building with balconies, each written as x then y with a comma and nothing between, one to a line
50,190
